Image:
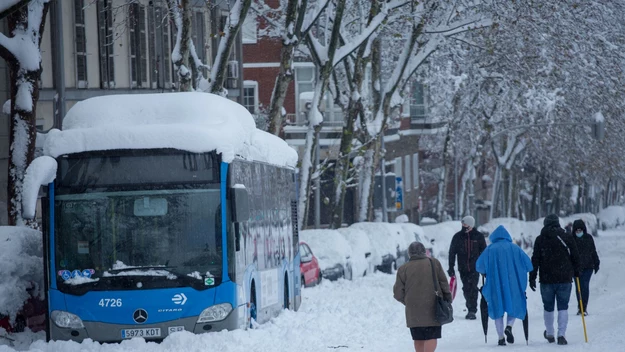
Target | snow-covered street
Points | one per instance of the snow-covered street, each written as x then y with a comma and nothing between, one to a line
363,316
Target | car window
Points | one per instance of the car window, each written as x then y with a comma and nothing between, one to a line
308,250
303,252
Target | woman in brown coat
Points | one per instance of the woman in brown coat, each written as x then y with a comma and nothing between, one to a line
414,288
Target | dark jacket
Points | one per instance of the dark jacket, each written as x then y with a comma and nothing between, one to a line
468,247
414,287
588,258
556,262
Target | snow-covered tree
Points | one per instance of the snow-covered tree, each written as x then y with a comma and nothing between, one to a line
21,50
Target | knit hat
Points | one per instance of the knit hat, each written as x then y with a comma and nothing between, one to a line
551,220
469,221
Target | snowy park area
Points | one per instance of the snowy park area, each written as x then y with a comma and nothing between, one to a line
361,315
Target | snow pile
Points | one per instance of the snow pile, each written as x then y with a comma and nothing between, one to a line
329,246
611,217
21,267
192,121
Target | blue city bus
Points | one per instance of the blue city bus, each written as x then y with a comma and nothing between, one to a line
148,242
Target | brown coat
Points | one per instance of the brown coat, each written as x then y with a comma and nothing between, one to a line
414,287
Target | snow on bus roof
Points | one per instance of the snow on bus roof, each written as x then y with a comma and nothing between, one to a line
191,121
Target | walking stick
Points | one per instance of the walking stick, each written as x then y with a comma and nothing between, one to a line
581,308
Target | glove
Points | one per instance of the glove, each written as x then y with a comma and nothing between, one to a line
451,272
576,274
533,285
596,269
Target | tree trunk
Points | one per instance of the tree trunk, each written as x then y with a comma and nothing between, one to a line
180,13
306,170
495,194
24,96
220,66
341,169
294,19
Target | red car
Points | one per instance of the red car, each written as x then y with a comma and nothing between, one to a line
309,266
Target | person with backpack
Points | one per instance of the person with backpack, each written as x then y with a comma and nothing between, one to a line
588,262
505,266
556,260
467,245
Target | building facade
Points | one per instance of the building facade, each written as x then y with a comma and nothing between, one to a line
102,47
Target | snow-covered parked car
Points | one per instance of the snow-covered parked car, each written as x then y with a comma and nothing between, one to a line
333,253
590,219
389,242
611,217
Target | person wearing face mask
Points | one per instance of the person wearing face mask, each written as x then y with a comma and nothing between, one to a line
589,261
467,245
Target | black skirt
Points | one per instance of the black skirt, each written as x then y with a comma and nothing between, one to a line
426,333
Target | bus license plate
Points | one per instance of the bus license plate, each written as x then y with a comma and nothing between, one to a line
149,332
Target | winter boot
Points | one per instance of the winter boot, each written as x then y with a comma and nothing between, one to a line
563,320
509,336
548,317
471,316
561,340
549,337
502,342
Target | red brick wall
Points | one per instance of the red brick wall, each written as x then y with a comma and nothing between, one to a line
265,50
266,78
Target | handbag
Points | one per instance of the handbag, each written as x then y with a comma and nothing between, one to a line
443,312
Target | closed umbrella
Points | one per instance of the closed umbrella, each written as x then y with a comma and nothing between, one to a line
526,322
484,312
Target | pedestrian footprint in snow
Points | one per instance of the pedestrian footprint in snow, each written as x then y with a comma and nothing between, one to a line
505,266
556,260
415,288
588,261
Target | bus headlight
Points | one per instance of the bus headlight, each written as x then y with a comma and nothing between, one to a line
215,313
66,320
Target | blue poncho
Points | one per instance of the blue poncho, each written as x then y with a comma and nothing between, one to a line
506,267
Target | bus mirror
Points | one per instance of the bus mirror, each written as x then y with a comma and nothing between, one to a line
40,172
241,204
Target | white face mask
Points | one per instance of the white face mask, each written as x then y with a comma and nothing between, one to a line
579,234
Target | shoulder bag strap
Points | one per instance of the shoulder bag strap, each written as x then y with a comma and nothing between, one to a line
434,277
564,244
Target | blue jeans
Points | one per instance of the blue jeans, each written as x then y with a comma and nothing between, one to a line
584,283
552,293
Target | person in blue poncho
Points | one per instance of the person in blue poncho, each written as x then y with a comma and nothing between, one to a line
506,267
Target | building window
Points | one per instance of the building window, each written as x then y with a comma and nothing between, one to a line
80,44
304,83
415,170
250,96
417,101
407,179
105,32
250,30
158,46
138,46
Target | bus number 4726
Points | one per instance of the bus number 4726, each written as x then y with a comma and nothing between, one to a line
110,302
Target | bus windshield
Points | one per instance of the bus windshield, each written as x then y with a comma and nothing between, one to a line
133,236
